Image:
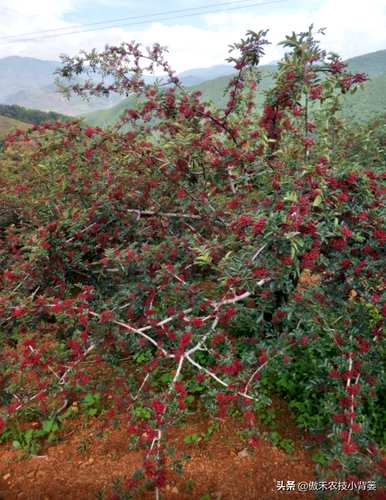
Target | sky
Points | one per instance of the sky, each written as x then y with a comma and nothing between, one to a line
354,27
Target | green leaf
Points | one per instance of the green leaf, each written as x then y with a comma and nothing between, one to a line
16,444
192,438
28,435
291,196
292,234
48,425
320,458
317,201
89,399
189,400
203,260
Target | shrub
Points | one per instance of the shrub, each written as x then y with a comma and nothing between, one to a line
192,250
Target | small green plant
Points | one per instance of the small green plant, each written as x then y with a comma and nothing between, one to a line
320,458
266,416
194,438
29,440
92,404
285,444
26,441
161,378
189,400
142,413
234,411
213,427
142,357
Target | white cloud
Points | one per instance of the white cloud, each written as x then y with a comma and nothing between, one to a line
23,16
353,27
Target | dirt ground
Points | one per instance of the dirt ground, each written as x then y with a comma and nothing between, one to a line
80,465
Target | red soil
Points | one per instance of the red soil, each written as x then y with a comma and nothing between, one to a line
81,464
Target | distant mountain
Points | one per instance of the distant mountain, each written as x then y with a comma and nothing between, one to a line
369,101
24,74
29,82
198,75
47,99
374,63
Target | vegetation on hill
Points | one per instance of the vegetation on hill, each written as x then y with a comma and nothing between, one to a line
33,116
107,117
199,257
372,64
368,102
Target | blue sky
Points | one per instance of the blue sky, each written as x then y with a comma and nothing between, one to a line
353,26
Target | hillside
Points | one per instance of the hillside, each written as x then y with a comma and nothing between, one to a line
373,64
362,105
107,117
369,101
8,124
26,115
13,117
